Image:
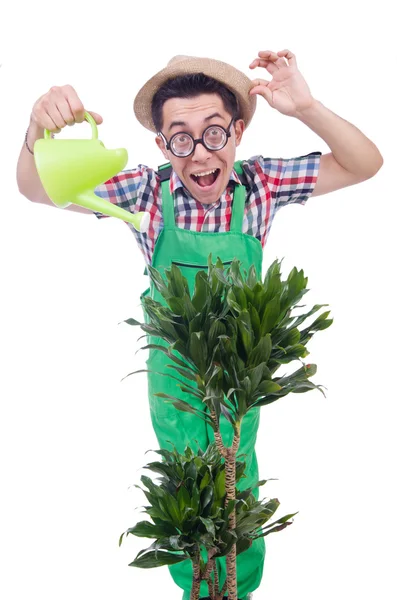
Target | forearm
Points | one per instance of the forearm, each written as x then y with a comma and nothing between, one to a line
28,180
350,147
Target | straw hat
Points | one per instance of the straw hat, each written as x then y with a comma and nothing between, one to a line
233,79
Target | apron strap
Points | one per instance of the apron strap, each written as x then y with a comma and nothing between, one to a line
239,196
164,172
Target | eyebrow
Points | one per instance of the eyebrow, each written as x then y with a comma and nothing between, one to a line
183,124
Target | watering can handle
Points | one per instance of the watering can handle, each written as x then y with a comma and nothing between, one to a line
87,117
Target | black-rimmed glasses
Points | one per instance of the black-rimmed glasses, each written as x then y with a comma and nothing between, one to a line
182,143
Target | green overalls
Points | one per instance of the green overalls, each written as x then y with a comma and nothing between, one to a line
189,250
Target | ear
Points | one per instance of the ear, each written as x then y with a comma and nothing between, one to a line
239,127
161,145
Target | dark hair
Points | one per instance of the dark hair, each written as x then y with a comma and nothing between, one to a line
190,86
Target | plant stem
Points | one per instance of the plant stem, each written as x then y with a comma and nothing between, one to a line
210,562
216,579
209,581
215,593
195,591
230,466
230,495
217,434
229,455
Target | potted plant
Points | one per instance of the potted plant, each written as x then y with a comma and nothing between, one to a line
190,516
227,341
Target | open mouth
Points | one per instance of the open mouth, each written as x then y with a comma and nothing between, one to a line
206,180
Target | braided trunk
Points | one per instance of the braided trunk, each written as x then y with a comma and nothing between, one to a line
230,468
195,591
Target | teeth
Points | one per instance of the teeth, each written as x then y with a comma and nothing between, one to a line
204,173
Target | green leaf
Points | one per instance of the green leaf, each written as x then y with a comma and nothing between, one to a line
291,338
267,387
176,305
185,372
200,291
235,273
158,282
299,388
227,414
240,297
261,352
229,508
252,277
179,542
167,470
205,480
191,471
185,407
240,469
216,329
271,315
206,496
195,496
183,498
148,530
220,275
192,392
281,520
157,559
179,285
174,510
220,489
209,525
131,322
198,350
215,377
244,325
255,323
243,544
232,302
257,374
190,311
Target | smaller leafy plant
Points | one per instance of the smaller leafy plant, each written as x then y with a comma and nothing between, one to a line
190,513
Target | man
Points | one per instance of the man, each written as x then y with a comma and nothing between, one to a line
199,109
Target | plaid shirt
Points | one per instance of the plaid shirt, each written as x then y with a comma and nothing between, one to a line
273,183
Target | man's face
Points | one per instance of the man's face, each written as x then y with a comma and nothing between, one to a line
193,116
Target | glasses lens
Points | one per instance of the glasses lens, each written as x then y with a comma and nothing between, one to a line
215,138
181,144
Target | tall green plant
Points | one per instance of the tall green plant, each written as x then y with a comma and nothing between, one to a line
190,516
227,341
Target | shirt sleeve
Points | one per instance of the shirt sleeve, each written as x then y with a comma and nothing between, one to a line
291,180
122,190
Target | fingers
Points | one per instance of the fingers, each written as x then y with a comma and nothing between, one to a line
98,119
258,62
272,61
289,56
59,107
261,88
268,55
255,82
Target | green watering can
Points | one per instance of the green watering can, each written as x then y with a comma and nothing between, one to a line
70,170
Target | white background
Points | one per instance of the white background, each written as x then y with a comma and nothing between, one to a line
72,435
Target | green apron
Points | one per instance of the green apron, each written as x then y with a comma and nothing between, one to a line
189,250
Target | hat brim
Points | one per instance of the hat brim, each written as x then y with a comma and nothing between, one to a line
232,78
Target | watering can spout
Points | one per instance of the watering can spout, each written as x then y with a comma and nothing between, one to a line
88,199
70,170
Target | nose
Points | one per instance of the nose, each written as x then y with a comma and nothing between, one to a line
200,153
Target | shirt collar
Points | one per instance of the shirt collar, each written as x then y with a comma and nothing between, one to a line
176,183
